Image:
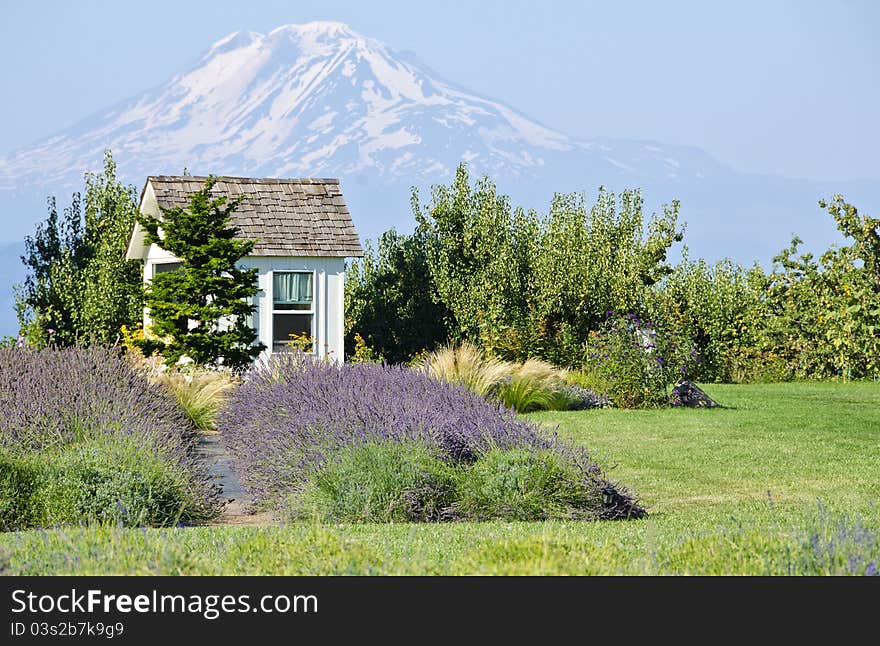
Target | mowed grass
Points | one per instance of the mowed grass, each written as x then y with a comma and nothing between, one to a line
792,442
730,491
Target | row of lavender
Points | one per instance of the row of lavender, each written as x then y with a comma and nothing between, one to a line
297,428
85,438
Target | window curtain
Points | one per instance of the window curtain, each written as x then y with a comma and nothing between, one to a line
292,289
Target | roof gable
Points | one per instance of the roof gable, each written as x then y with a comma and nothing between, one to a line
285,217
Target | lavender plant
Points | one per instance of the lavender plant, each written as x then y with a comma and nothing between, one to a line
88,411
293,415
835,544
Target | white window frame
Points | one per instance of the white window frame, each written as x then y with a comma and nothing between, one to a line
156,263
255,301
312,311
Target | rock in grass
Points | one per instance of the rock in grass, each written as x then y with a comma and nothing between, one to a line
687,393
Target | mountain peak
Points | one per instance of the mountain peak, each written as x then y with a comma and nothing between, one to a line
322,100
233,41
318,27
307,99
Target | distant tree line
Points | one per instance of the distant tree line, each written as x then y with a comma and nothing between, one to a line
520,284
516,283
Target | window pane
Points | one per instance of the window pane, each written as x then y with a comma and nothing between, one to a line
250,318
163,267
284,325
291,291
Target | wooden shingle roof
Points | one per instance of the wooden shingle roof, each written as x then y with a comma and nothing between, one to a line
285,217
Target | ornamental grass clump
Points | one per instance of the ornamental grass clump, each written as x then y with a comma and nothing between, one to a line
200,393
467,366
84,437
525,387
305,431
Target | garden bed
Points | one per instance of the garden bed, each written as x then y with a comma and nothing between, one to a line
369,442
84,438
706,475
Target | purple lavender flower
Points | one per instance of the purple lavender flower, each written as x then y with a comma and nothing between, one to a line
55,396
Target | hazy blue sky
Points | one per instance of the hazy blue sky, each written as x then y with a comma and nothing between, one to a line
775,87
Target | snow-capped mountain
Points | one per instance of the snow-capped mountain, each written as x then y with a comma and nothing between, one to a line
322,100
311,100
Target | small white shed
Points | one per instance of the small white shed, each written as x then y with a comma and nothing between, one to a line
303,233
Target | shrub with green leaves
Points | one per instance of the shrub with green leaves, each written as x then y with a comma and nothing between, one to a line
716,308
409,482
95,482
379,482
823,316
527,485
807,318
633,363
391,303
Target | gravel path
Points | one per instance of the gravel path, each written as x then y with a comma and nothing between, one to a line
211,451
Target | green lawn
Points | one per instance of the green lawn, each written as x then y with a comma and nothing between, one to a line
731,491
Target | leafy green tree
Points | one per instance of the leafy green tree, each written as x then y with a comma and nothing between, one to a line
48,302
480,257
795,306
716,308
200,311
824,315
520,285
596,260
112,287
391,302
79,287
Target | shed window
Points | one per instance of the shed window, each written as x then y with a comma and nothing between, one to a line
164,267
293,309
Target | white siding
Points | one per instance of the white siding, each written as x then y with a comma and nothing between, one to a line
328,294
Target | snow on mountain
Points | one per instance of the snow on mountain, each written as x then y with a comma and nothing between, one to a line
320,99
312,100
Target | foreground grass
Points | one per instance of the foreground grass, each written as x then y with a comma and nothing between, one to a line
731,491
